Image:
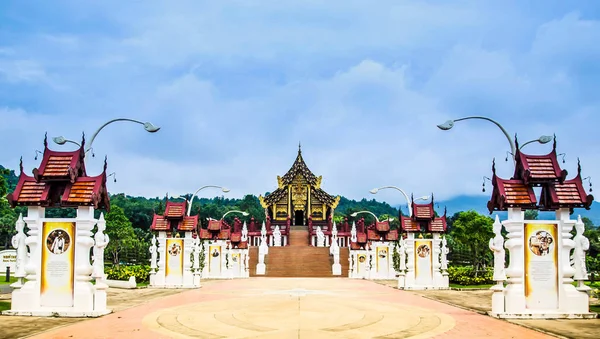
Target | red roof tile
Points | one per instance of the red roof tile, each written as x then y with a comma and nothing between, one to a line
159,223
423,211
175,210
189,223
538,169
409,225
87,191
29,192
511,193
60,165
569,194
438,225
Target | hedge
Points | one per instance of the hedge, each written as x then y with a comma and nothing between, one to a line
123,272
465,275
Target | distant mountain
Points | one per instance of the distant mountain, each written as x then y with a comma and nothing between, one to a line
479,204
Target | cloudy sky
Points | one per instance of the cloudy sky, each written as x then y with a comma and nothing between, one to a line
235,85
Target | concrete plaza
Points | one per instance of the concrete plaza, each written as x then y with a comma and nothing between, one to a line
289,308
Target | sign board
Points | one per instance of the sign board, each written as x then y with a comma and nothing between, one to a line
541,265
174,262
423,262
8,258
58,264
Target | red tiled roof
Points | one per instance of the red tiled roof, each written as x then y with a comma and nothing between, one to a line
511,193
538,169
214,225
409,225
189,223
29,192
205,234
87,191
438,225
159,223
392,235
569,194
175,210
60,166
423,211
372,234
224,234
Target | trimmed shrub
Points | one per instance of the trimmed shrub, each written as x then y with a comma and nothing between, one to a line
466,275
123,272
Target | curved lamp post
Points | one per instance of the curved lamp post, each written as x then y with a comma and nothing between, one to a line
542,139
223,189
371,213
148,126
235,211
425,197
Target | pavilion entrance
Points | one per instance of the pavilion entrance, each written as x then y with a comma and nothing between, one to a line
299,218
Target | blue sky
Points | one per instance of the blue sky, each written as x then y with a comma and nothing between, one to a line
236,85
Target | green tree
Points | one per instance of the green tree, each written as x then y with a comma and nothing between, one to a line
8,216
120,232
531,214
473,231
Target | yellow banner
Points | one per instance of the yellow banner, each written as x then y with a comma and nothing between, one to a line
174,262
214,262
58,264
541,265
362,261
423,261
382,255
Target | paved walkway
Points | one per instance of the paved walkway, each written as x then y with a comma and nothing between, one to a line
293,308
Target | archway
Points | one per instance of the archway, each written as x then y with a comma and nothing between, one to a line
299,217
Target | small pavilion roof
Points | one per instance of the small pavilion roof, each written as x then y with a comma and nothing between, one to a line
569,194
189,223
160,223
175,210
538,169
510,193
299,167
409,225
60,165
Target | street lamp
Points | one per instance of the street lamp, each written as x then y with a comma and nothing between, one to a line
148,126
425,197
235,211
371,213
223,189
450,123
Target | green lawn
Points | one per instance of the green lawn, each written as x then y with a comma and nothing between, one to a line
470,286
595,308
3,280
4,305
142,284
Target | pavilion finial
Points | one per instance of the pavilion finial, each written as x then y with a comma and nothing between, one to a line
554,143
21,165
516,145
105,163
578,167
299,147
46,140
494,166
83,141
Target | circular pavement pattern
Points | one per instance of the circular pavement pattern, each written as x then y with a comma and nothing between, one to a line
296,311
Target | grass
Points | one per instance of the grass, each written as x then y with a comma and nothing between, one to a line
595,308
142,284
4,305
4,282
470,286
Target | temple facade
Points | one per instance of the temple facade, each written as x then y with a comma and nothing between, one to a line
299,199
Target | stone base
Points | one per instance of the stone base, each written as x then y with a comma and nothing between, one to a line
543,315
336,269
261,269
58,313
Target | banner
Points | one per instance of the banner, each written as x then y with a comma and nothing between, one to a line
235,264
8,258
214,261
58,264
382,260
423,262
174,262
362,262
541,265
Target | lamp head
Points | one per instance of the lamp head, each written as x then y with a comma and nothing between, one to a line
354,214
148,126
225,190
447,125
425,197
245,214
544,139
59,140
374,190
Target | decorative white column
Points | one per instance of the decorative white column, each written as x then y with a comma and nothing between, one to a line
410,262
496,245
19,243
514,292
402,253
101,240
85,222
263,250
334,249
188,248
196,265
438,279
153,260
159,277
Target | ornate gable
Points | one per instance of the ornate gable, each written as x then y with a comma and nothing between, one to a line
299,168
538,169
569,194
60,165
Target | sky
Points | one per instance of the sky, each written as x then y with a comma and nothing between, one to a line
236,85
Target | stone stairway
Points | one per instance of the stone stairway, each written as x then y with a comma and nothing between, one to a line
299,259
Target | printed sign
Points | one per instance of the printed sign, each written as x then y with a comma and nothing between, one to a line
8,258
541,266
382,260
58,269
362,263
214,261
174,262
423,262
235,265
